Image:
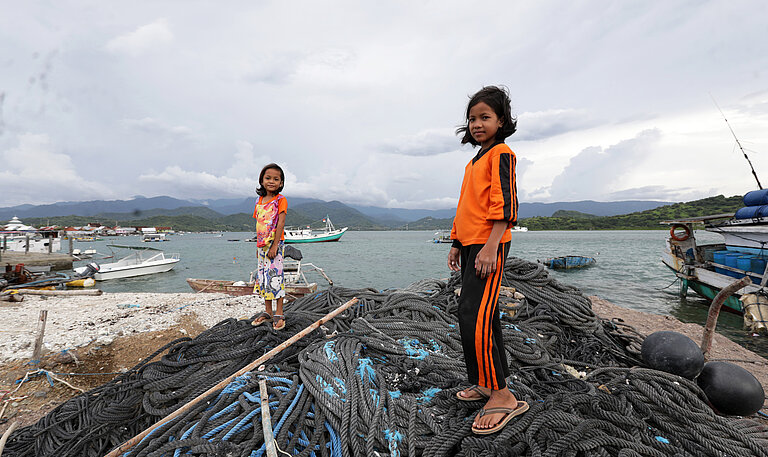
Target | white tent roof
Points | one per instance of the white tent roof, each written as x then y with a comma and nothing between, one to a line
16,225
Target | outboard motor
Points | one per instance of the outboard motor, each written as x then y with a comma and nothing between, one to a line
292,252
88,270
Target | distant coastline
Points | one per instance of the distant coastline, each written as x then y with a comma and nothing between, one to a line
201,219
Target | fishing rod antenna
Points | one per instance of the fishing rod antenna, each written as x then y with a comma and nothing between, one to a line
760,186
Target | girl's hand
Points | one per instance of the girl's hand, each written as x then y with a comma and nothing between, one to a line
272,253
485,261
453,259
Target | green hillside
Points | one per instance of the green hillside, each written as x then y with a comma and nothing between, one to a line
572,214
430,223
191,223
341,216
644,220
201,211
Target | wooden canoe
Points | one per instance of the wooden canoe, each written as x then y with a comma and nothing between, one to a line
292,291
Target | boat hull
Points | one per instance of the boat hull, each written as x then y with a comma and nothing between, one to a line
707,283
132,271
292,291
748,238
316,238
569,262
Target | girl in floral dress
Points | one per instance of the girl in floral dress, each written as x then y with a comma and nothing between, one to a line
270,214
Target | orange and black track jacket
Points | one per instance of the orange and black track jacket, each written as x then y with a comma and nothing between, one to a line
488,194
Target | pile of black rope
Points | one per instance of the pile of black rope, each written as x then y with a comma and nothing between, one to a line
381,379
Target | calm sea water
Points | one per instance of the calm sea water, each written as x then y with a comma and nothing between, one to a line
629,271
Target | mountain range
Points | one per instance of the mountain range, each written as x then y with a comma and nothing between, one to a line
141,207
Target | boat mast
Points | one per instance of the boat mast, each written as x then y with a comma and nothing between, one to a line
738,143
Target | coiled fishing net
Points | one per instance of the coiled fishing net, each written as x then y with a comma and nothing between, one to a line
381,378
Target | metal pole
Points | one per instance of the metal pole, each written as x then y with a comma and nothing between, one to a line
738,143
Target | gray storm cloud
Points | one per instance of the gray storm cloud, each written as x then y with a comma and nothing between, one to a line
594,173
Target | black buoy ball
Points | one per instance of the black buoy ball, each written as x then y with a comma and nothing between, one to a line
674,353
731,389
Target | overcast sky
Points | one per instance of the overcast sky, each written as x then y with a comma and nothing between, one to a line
359,101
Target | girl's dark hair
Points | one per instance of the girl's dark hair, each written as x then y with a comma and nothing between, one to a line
261,190
498,99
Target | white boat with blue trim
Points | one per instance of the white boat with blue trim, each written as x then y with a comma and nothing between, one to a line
307,235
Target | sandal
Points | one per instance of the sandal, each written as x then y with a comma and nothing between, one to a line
509,414
481,395
264,316
278,322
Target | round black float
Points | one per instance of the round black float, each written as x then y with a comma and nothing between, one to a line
674,353
731,389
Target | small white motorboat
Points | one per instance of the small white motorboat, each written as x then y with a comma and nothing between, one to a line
142,261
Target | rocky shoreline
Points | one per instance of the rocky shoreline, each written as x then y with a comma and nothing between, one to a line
78,321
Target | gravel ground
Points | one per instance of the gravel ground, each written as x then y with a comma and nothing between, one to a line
78,321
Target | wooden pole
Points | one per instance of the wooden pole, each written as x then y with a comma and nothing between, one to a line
215,389
59,292
40,333
266,420
714,311
7,433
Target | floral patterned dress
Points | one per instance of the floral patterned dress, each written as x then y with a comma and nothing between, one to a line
270,271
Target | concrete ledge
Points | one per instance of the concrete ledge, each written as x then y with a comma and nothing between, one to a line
57,261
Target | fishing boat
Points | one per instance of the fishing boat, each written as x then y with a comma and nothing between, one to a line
296,284
307,235
238,288
442,236
568,262
707,268
141,261
519,228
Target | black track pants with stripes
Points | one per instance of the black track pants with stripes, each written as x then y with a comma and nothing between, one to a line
479,320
